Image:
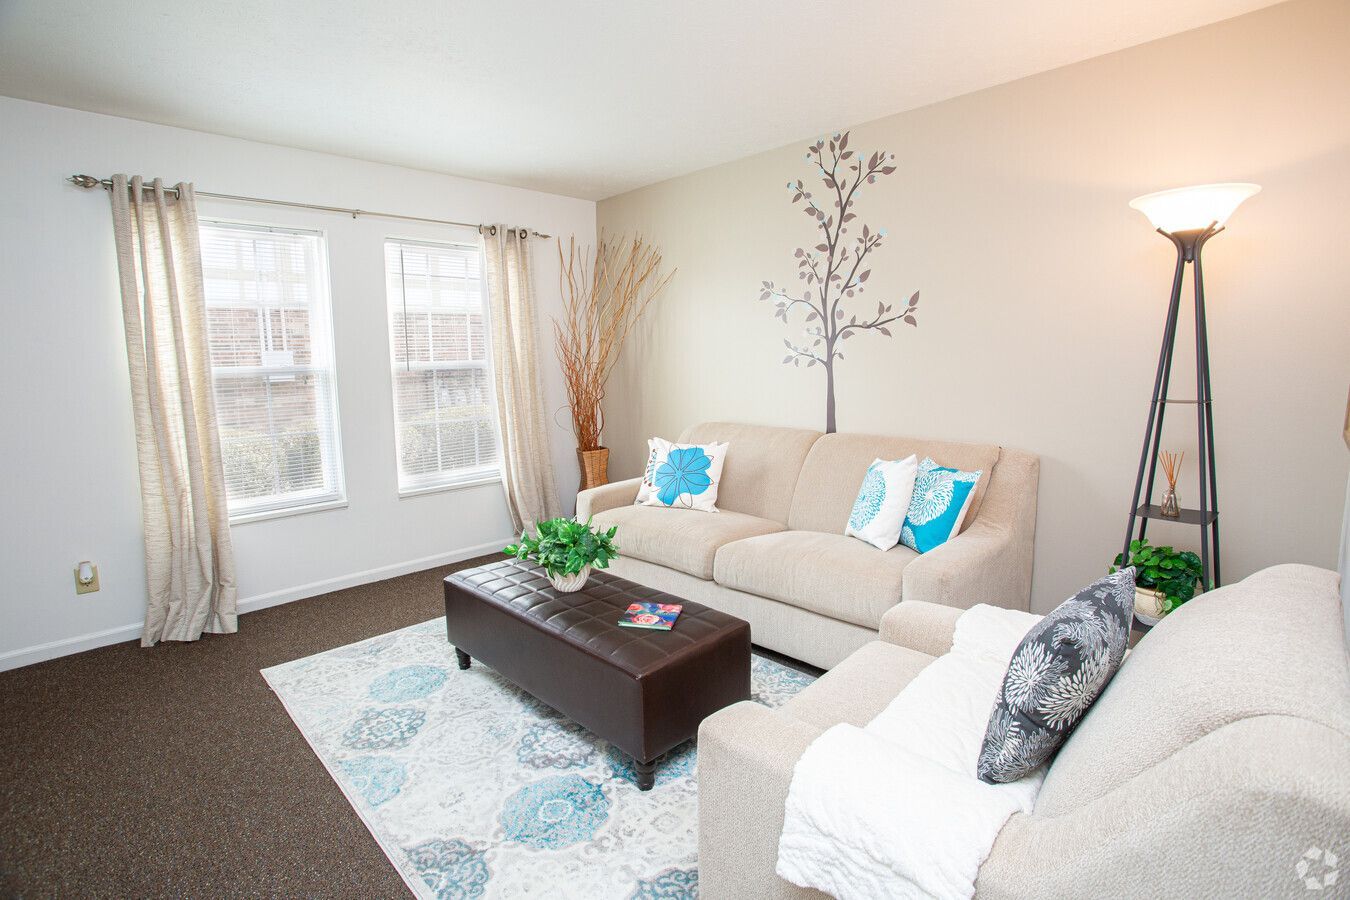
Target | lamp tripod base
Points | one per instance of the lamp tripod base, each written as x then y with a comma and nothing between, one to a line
1189,245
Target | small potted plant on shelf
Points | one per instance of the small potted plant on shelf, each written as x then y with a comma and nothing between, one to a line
567,550
1164,578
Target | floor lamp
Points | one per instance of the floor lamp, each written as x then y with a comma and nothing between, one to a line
1188,217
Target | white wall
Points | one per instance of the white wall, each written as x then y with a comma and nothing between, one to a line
68,480
1044,294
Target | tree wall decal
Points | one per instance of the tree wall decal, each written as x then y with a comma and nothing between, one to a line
833,271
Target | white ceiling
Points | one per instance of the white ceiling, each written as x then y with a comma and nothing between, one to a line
588,98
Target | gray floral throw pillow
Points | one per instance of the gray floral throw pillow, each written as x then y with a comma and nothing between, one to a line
1059,669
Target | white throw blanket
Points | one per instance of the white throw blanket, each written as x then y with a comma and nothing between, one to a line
896,809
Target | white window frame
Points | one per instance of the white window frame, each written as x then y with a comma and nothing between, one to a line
300,502
457,479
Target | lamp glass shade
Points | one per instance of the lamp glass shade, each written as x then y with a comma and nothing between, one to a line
1193,208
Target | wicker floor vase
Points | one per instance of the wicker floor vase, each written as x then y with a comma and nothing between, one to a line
594,467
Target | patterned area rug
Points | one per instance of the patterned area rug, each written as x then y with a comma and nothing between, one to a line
475,789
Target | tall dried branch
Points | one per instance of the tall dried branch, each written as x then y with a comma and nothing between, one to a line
604,295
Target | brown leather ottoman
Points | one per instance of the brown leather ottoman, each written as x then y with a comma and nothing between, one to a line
643,691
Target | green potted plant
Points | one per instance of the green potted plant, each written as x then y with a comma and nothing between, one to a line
1164,577
567,550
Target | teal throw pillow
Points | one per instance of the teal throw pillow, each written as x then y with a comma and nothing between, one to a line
938,506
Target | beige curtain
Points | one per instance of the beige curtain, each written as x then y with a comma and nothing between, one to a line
527,467
189,562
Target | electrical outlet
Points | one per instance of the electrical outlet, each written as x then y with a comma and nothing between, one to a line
86,578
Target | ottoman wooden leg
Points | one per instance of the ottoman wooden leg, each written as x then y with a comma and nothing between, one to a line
646,774
462,658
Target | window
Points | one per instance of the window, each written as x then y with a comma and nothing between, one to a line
270,330
444,415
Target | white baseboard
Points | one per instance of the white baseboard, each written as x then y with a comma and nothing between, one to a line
314,588
25,656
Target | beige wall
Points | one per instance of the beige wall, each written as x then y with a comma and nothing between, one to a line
1044,293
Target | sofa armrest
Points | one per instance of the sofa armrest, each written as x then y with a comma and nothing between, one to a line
746,755
606,496
989,562
1236,809
927,627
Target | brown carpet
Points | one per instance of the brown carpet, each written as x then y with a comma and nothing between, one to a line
175,771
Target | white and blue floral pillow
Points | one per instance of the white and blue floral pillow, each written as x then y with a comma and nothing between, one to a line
938,507
683,476
648,471
883,501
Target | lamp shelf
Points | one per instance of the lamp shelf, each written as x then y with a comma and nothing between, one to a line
1187,517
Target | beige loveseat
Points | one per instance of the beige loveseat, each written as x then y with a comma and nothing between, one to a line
776,555
1216,760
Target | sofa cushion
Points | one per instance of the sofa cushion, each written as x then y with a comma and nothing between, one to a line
682,539
836,464
860,687
761,468
830,574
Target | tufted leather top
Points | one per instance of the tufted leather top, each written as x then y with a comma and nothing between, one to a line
644,691
588,618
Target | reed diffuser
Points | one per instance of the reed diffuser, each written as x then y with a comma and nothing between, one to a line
1171,464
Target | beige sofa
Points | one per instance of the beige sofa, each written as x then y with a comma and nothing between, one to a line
1214,761
776,554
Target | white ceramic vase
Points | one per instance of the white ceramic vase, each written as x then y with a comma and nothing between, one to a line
1148,605
570,583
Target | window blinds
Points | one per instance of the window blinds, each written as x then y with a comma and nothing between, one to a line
270,330
445,421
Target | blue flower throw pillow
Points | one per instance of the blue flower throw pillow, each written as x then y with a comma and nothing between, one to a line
1055,675
649,471
683,476
938,506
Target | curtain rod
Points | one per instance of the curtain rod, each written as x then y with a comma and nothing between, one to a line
89,181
